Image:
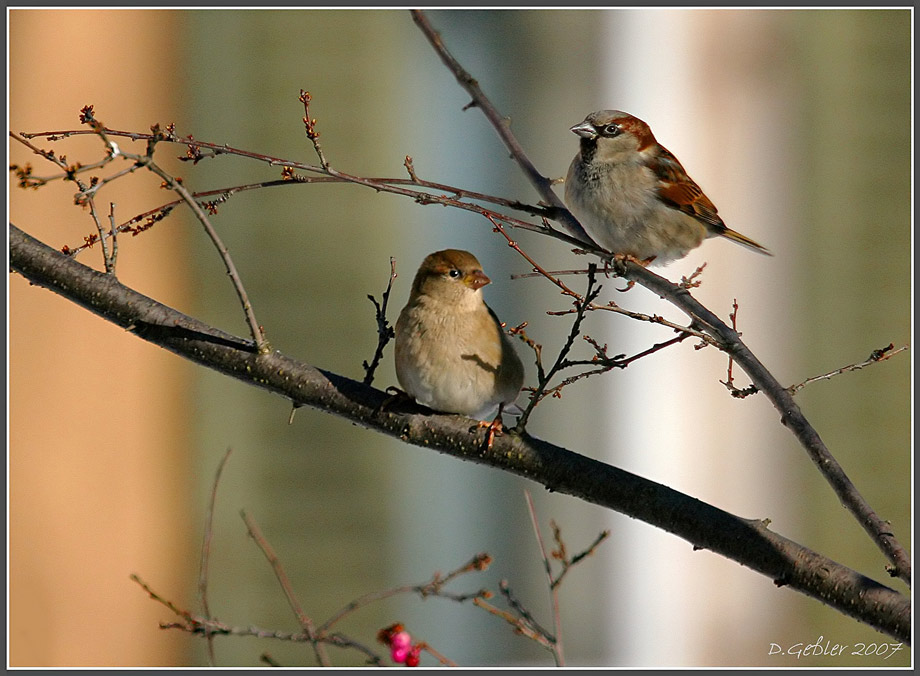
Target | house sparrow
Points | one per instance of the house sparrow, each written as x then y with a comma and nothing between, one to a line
451,352
633,196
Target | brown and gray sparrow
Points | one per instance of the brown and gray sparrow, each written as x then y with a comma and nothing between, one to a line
632,195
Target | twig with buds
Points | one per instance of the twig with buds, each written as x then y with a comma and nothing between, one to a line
519,616
879,355
729,381
433,587
194,624
207,626
87,117
310,127
519,623
544,376
460,193
566,290
325,175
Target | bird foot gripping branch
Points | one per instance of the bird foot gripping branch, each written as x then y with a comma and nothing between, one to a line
495,429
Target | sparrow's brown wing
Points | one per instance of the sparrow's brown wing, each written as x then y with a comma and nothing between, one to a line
679,191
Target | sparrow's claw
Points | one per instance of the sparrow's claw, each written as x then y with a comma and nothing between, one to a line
396,394
644,262
495,427
607,267
620,260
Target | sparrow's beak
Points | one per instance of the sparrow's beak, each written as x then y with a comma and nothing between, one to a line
585,130
476,279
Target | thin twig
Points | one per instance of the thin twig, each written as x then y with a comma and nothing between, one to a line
525,615
503,127
582,304
623,363
548,273
310,126
392,185
460,193
558,654
729,382
694,280
84,197
184,614
733,316
28,180
305,622
113,235
567,563
106,255
385,332
433,587
206,553
544,378
255,329
518,623
609,307
194,624
447,662
218,149
603,363
881,354
152,216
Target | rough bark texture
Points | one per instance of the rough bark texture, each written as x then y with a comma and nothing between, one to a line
748,542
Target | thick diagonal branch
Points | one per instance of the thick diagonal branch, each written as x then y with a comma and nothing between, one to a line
729,341
749,542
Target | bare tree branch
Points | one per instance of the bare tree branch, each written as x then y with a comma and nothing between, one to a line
86,195
502,125
747,541
390,185
729,341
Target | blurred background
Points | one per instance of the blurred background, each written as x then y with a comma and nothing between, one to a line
796,123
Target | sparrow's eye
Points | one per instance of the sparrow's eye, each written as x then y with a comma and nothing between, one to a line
610,130
454,273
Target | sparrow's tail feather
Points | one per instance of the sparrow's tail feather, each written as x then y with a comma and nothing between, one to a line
745,241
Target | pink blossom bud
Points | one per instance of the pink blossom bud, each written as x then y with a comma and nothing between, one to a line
401,639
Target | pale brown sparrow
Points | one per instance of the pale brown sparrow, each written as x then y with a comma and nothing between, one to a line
451,352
